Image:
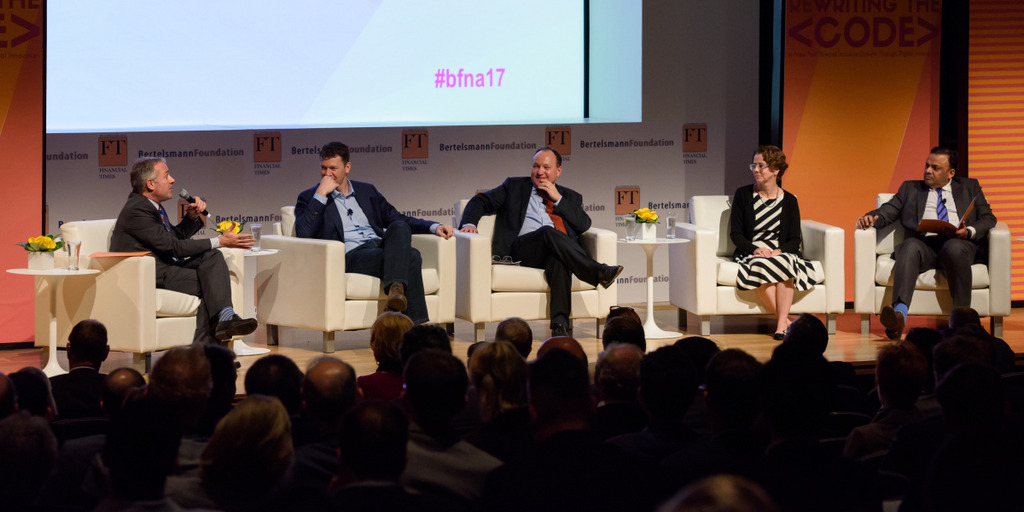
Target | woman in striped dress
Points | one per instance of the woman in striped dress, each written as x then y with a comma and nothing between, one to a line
765,228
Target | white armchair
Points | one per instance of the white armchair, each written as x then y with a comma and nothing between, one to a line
305,284
702,273
872,277
491,293
139,317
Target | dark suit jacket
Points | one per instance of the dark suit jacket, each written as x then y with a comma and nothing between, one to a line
139,228
741,223
907,207
78,393
315,220
509,201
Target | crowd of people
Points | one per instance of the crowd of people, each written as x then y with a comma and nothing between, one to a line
686,426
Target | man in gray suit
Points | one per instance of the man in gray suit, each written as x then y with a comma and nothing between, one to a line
953,250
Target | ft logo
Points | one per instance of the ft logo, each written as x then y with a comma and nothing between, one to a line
559,139
627,200
266,147
113,151
695,138
414,144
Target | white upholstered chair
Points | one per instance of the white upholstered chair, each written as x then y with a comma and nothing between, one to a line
305,284
702,273
491,293
139,317
872,277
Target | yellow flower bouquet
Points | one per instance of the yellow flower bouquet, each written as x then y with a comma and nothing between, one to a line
645,216
43,243
229,225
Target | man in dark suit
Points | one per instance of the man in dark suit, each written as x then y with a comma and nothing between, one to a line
539,224
182,264
377,237
953,250
78,393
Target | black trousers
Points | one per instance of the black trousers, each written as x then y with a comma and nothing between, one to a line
393,260
205,276
561,258
915,255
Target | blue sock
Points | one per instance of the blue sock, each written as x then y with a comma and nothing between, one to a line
226,314
902,308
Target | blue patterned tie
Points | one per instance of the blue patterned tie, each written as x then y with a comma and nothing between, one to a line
163,217
940,207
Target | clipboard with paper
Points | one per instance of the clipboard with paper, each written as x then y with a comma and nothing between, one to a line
942,227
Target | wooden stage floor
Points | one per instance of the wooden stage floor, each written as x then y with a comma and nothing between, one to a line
749,333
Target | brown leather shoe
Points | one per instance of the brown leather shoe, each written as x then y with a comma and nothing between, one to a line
893,322
396,298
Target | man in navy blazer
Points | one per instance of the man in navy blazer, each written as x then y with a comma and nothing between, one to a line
377,237
539,224
953,250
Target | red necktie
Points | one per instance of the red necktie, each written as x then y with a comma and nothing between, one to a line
557,219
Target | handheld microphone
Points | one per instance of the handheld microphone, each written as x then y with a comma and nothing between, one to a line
350,212
185,196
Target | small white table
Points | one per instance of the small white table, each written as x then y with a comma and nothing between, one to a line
249,300
52,278
651,329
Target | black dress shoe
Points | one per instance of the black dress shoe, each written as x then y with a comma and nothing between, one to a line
779,336
237,326
893,322
609,274
560,330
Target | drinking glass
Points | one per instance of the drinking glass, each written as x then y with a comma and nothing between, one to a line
257,232
74,247
631,229
670,225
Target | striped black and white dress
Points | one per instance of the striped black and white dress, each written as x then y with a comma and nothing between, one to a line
756,271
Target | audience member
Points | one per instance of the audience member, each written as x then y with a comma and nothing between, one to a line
385,342
28,453
439,462
328,392
224,372
473,348
34,394
565,343
498,373
624,329
180,382
617,381
8,396
516,331
808,332
77,393
699,350
571,469
721,493
276,375
617,311
421,337
900,375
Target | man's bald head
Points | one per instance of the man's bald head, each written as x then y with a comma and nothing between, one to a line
565,343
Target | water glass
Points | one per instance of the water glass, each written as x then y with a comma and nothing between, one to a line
74,248
670,225
631,229
257,232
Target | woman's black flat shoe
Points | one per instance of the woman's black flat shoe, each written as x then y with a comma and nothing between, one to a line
779,336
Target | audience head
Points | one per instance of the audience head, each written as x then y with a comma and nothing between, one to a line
422,337
624,329
516,331
558,387
249,452
328,390
617,373
796,391
87,344
721,493
972,397
731,389
276,375
28,453
901,373
386,339
808,332
668,384
373,441
565,343
35,396
435,389
8,397
925,339
498,372
700,350
117,385
473,347
962,316
180,380
617,311
141,449
224,373
957,349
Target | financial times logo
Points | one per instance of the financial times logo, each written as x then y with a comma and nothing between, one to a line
695,138
627,200
113,151
414,144
266,147
559,139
